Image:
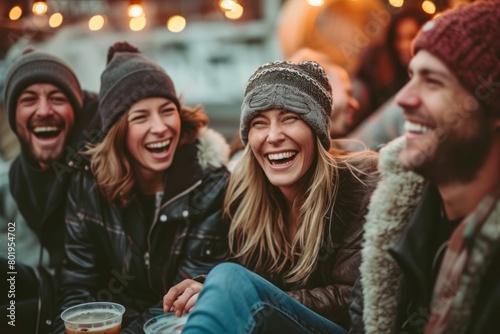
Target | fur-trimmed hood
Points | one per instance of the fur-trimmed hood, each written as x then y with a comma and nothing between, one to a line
213,150
391,208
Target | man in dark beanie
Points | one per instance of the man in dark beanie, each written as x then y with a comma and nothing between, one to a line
431,255
53,118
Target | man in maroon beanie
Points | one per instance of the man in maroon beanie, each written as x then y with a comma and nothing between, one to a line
431,256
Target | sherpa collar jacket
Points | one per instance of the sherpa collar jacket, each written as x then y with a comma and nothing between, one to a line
112,256
385,285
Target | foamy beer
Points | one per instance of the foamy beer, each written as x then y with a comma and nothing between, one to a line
93,318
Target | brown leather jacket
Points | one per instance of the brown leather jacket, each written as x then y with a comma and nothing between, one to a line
329,288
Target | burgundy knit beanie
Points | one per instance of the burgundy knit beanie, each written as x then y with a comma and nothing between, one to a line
467,40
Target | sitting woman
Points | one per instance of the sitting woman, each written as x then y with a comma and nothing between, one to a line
150,215
297,208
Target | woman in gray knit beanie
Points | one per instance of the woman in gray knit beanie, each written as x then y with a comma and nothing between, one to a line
297,212
150,208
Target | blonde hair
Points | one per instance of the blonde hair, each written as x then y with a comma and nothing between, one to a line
258,233
112,164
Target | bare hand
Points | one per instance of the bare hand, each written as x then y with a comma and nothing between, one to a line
182,297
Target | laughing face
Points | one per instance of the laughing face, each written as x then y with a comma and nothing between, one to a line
448,135
44,119
153,132
284,146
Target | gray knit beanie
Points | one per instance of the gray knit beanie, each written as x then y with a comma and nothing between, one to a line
34,67
301,88
130,77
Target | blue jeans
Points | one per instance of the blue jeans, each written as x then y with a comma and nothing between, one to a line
234,300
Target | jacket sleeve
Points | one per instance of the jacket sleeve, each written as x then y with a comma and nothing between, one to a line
332,301
80,275
342,261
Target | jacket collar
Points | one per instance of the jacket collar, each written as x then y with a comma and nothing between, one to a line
210,150
390,211
416,240
391,208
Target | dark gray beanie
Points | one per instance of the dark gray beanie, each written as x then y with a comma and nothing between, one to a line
301,88
130,77
34,67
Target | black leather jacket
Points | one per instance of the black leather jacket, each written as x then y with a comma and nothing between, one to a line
112,256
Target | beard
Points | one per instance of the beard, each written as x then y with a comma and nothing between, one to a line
46,156
457,155
41,153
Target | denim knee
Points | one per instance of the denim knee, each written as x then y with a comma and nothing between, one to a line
227,270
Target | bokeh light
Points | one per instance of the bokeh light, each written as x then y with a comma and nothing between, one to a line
15,13
138,23
55,20
176,23
96,22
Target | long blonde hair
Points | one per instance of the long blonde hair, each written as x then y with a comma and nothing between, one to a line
112,164
258,234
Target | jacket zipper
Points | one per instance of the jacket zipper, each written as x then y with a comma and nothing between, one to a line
158,207
158,198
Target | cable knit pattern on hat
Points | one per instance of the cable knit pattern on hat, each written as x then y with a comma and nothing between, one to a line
34,67
301,88
128,78
467,40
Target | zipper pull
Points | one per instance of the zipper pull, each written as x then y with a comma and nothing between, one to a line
146,260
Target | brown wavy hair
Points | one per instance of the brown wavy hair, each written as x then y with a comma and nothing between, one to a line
112,164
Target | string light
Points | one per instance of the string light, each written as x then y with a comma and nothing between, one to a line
234,13
55,20
429,7
397,3
135,8
226,5
96,22
176,23
138,23
15,13
316,3
39,7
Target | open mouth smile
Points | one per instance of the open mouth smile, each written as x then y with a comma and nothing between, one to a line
282,159
159,147
415,127
46,132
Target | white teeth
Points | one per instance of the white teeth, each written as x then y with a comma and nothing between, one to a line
279,156
40,129
159,144
415,127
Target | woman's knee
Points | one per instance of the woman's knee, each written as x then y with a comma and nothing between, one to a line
228,269
228,276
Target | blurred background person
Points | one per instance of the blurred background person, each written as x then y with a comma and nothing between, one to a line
345,106
384,66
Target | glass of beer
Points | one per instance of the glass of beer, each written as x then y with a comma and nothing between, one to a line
93,318
165,324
